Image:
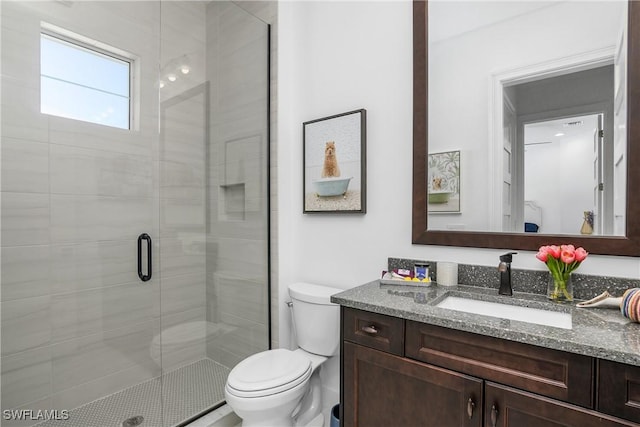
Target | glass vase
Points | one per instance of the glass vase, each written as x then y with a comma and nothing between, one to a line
560,289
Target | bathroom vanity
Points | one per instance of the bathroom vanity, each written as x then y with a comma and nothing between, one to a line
407,362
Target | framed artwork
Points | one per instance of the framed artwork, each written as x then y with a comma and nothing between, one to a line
444,182
334,156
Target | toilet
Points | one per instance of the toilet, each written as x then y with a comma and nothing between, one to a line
282,387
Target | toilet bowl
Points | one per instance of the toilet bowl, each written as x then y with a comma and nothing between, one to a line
282,387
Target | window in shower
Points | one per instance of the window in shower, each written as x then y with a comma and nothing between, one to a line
84,80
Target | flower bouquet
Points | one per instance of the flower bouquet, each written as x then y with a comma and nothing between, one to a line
561,262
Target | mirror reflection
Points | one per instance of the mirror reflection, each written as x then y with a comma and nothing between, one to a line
531,98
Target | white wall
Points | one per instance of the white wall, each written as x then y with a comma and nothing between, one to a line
336,57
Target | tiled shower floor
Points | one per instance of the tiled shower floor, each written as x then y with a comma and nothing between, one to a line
184,392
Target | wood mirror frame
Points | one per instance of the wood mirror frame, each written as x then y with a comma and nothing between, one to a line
628,245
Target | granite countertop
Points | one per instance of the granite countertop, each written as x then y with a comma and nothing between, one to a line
598,332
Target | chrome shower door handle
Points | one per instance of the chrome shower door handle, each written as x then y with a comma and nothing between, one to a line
141,275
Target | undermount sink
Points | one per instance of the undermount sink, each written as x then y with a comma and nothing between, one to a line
538,316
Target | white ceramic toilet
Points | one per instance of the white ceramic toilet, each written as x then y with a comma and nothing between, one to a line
279,388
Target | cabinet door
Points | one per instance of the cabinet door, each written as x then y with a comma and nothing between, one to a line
384,390
619,390
509,407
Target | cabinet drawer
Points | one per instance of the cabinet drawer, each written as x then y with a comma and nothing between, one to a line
552,373
619,390
373,330
505,406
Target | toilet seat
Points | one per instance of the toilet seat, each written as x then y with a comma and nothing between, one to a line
269,372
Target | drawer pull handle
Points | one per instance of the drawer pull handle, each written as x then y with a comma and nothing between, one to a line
370,329
470,408
494,416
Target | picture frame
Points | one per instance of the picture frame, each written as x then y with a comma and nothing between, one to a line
443,186
334,163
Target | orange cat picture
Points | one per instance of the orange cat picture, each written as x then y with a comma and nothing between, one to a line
330,169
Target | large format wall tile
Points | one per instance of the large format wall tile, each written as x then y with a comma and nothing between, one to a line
103,386
25,166
180,180
19,35
244,257
21,118
82,266
247,300
26,377
183,293
91,218
182,255
77,314
25,272
42,404
180,216
86,359
25,219
97,137
98,172
26,324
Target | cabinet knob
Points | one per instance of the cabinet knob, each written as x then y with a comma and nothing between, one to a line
370,329
494,416
470,408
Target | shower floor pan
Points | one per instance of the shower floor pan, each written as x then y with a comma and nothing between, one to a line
185,392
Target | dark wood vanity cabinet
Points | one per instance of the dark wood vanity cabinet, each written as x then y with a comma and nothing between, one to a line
387,391
404,373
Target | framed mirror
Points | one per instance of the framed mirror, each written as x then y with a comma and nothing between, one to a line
498,193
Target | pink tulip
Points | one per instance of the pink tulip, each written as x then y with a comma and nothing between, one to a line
542,254
568,248
581,254
568,256
554,251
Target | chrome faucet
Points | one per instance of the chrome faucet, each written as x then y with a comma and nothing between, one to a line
505,273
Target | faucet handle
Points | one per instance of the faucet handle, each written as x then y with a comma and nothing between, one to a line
508,257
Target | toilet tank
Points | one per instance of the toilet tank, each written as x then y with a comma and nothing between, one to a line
316,320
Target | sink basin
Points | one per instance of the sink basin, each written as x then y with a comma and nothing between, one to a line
538,316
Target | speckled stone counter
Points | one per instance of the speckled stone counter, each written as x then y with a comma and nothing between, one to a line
596,332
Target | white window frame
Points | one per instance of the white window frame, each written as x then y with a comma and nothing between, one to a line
94,46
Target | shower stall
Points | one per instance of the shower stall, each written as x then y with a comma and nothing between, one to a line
134,208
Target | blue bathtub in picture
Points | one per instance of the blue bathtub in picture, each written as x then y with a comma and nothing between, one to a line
331,186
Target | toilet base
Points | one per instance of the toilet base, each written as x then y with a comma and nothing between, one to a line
316,422
284,422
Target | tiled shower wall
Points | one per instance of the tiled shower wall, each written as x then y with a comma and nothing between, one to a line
76,321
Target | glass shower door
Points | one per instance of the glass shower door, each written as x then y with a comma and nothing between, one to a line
134,263
214,147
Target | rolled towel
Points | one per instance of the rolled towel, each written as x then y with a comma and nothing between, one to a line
630,305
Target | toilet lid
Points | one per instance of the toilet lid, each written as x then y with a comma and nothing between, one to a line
269,372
